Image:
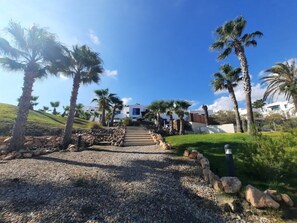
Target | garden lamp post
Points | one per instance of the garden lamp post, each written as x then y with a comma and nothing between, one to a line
229,159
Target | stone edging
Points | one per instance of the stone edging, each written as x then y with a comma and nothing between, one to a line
232,185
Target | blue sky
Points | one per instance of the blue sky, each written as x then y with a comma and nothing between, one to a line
153,49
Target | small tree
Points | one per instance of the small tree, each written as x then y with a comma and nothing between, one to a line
259,104
55,104
180,107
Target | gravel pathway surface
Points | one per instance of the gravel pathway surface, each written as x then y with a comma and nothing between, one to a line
107,184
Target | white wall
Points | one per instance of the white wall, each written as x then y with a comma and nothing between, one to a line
202,128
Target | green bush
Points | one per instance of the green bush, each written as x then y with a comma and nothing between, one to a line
94,125
127,121
266,158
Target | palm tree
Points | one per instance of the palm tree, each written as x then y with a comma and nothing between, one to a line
84,66
33,102
117,104
282,79
66,110
104,100
157,108
55,104
79,110
205,109
260,103
45,108
34,52
229,38
170,111
228,78
180,107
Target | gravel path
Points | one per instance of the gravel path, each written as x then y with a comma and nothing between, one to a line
106,184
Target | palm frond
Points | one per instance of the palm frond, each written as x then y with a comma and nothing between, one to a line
18,34
225,53
7,49
11,64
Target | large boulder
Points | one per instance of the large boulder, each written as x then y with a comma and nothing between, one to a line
231,185
258,199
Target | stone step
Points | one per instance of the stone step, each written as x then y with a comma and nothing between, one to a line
138,144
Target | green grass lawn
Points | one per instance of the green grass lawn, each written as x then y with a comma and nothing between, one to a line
212,146
36,119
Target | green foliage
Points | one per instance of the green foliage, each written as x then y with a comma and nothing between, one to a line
127,121
212,146
95,125
266,157
38,120
223,117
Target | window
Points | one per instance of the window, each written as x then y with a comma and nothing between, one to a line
136,111
275,108
117,112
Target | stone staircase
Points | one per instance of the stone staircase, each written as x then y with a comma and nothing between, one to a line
137,136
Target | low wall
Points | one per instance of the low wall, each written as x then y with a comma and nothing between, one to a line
202,128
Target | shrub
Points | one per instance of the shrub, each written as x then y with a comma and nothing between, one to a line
266,158
95,126
127,121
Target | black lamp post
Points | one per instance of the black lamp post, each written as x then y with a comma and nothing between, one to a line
229,159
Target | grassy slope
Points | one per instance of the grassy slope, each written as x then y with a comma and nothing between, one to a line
37,118
212,146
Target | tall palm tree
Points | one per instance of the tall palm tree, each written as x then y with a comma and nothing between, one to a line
170,111
34,51
104,100
157,108
229,38
117,104
33,102
228,78
55,104
282,79
85,66
180,107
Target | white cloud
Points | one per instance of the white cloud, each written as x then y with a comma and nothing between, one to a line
222,103
225,103
126,100
94,38
63,77
111,73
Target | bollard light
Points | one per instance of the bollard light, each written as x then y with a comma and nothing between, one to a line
229,159
79,141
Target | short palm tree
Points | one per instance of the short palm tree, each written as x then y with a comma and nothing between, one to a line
35,52
205,109
180,107
66,110
227,79
117,104
282,79
170,111
104,100
45,108
157,108
85,66
55,104
79,110
229,38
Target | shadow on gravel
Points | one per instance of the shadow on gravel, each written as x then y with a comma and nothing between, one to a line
122,151
143,191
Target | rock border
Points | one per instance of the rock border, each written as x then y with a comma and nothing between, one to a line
232,185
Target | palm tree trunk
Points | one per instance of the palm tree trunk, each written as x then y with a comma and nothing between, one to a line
181,125
103,122
70,119
18,132
112,116
246,84
235,106
171,125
